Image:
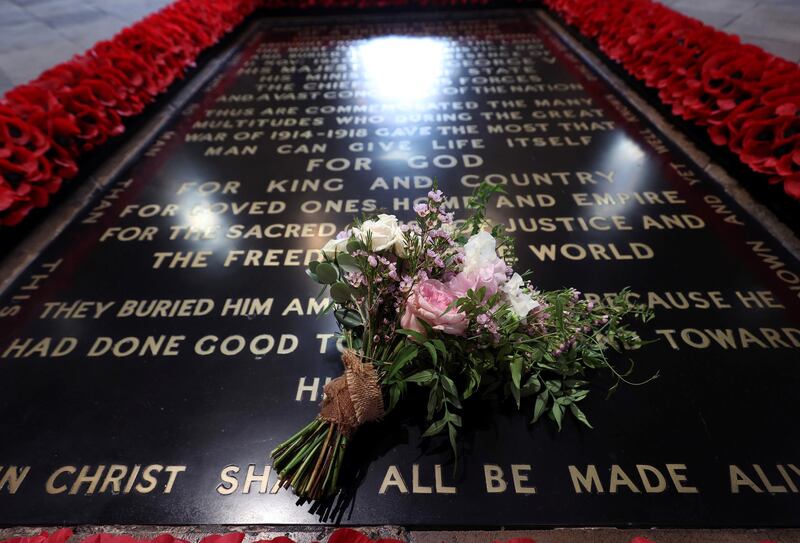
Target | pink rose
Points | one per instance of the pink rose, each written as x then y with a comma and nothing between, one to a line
428,302
491,275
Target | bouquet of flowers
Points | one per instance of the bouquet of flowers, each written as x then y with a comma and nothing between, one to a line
438,305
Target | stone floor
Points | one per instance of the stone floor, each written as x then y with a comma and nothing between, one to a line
771,24
35,34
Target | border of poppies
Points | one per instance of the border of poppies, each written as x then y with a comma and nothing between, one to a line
342,535
747,100
48,124
76,106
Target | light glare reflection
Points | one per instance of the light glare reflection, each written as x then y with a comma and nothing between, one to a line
401,68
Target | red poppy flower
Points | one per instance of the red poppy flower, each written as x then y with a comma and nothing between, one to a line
17,134
77,105
7,195
748,99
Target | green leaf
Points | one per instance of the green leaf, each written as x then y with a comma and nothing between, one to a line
435,428
432,351
409,352
340,292
557,412
450,389
327,273
449,386
348,318
416,336
421,377
516,372
348,263
578,414
394,396
532,386
404,356
354,245
312,266
572,383
516,376
434,400
439,344
474,382
552,385
453,433
541,404
579,395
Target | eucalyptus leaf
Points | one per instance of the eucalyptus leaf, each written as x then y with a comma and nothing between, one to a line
340,292
327,273
348,318
348,263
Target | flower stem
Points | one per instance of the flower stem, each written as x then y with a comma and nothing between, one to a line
310,460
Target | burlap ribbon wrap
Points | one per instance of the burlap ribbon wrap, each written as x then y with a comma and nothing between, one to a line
354,397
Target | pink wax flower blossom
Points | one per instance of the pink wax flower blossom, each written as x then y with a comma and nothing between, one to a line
436,195
446,218
356,279
421,209
429,302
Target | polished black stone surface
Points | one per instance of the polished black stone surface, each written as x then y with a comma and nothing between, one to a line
604,201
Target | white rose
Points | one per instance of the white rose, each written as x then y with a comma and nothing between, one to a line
384,231
480,252
400,246
335,247
520,301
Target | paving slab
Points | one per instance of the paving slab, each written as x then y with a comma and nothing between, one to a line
22,65
716,18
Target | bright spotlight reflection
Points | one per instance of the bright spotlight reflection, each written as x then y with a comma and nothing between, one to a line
400,68
202,220
627,149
